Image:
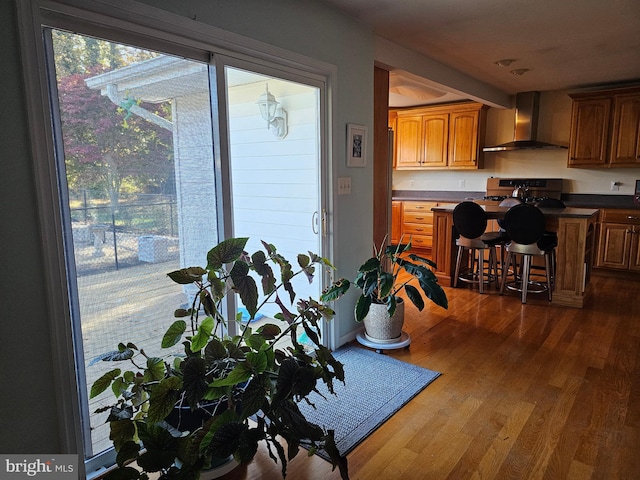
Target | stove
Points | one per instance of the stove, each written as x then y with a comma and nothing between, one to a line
537,188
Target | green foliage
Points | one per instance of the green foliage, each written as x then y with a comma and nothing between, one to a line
244,389
377,279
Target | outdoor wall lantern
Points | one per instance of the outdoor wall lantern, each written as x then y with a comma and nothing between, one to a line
273,113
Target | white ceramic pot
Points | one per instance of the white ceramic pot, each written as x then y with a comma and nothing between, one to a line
379,327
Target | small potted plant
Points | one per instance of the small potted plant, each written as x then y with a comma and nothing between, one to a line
379,305
220,396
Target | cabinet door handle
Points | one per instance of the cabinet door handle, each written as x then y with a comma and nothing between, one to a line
419,207
419,218
631,217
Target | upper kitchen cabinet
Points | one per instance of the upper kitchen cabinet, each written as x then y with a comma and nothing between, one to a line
605,129
440,137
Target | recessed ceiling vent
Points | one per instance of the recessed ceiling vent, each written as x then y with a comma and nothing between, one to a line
526,128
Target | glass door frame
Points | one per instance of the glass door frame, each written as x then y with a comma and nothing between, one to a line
156,30
222,154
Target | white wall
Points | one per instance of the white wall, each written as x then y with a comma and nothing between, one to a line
554,125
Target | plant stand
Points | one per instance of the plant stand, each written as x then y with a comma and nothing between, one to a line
403,342
220,470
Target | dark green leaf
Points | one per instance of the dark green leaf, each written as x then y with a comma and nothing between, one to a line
226,251
226,439
186,276
414,295
372,264
174,333
254,397
165,395
128,451
336,290
269,331
194,382
101,384
214,351
362,307
120,432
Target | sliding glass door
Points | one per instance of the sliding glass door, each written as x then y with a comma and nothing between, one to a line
274,158
154,168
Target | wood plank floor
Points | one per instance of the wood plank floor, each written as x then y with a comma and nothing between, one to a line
527,392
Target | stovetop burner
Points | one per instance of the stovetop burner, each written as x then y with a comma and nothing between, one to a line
497,198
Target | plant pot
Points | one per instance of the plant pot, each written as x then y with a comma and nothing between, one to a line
379,327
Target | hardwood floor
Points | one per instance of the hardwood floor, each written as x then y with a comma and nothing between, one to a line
526,392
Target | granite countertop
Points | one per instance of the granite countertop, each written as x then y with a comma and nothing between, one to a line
576,200
495,211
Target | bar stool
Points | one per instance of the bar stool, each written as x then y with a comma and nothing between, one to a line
551,237
525,227
470,220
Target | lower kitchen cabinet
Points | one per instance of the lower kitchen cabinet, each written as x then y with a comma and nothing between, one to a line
619,241
417,223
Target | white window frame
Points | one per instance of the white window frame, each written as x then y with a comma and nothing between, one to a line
154,29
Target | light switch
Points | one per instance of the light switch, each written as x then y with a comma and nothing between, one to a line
344,185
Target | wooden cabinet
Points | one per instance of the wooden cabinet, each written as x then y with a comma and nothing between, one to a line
417,224
440,137
396,222
605,129
619,240
625,142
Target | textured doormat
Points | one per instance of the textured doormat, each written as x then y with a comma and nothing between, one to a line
376,386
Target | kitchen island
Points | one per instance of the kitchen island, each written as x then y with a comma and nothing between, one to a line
576,242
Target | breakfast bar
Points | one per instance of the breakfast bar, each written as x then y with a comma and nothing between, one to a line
576,240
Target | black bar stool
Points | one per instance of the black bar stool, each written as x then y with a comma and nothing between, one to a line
470,220
525,228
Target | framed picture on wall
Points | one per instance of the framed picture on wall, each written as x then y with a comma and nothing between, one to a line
356,145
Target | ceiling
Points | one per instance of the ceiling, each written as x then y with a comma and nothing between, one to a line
564,44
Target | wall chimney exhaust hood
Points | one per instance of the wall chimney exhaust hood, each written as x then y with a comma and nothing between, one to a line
526,128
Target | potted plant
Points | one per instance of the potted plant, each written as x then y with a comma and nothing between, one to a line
379,305
242,389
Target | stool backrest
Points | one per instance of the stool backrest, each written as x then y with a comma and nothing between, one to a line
524,223
470,219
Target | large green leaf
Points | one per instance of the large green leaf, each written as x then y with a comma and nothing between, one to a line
101,384
194,382
372,264
254,397
165,395
227,251
414,295
201,338
241,373
155,370
386,281
161,447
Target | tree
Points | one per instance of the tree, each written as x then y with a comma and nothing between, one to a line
105,146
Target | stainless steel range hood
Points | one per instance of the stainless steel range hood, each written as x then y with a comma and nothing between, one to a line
526,128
